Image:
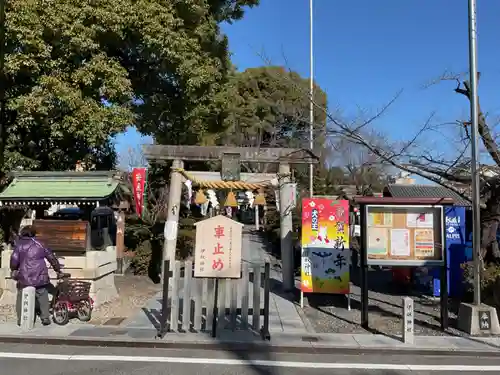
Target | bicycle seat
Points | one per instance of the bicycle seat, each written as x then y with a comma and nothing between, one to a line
63,275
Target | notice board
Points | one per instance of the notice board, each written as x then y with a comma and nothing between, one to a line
404,235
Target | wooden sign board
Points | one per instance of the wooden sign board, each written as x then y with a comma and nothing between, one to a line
218,248
230,167
64,235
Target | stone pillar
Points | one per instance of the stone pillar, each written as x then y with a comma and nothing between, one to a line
286,228
28,308
174,203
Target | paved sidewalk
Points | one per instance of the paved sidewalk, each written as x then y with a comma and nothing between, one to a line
283,314
289,333
116,336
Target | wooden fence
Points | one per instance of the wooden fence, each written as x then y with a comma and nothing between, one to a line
203,304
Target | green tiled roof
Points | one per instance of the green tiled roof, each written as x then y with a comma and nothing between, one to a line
60,185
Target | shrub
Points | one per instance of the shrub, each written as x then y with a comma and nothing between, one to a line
142,258
490,283
185,244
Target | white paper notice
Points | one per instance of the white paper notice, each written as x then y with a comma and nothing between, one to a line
420,220
400,242
170,230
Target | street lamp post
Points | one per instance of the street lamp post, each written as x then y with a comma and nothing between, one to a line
311,97
476,318
311,111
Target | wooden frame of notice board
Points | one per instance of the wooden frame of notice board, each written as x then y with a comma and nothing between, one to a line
404,235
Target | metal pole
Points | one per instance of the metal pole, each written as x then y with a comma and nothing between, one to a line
474,112
311,109
311,97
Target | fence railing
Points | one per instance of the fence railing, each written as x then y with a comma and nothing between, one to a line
204,304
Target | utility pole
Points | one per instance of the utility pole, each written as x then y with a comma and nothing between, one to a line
475,318
474,114
311,97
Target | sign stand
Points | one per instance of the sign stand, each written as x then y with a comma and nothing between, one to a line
349,299
444,293
165,311
325,251
264,330
215,309
405,232
218,256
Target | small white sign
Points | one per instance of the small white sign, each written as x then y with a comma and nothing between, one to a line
170,231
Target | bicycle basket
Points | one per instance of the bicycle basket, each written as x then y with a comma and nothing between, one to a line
75,290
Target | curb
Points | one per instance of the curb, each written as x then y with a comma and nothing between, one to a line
246,347
307,323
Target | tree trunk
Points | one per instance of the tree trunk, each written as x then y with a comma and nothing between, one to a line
489,244
490,218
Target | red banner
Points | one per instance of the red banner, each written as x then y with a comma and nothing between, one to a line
139,186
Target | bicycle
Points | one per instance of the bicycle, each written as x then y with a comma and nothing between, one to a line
71,299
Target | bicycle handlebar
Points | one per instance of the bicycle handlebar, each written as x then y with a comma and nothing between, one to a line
63,275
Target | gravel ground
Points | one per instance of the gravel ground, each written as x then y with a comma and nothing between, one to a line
133,294
329,314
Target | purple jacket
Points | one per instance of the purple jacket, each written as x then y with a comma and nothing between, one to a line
28,260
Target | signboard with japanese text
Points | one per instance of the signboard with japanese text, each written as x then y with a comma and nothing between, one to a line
404,235
325,259
484,318
455,230
230,167
218,248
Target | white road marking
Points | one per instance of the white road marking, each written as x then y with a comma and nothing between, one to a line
249,362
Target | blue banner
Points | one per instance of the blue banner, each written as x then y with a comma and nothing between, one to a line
456,255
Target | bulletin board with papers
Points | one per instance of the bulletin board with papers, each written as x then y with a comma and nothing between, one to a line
404,235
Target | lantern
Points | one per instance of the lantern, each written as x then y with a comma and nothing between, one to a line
231,200
200,197
260,199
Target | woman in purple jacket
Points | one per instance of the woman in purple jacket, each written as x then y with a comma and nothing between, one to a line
28,267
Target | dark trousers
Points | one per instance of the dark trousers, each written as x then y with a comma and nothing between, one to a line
41,303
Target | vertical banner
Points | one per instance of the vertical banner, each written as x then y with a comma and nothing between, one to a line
455,245
326,256
139,183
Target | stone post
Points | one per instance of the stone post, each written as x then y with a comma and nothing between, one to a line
286,227
28,308
408,320
172,223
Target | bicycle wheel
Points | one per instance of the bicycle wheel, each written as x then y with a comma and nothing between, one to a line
84,311
60,313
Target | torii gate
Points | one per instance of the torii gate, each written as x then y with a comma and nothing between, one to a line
232,157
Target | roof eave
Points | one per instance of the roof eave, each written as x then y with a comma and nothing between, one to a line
63,174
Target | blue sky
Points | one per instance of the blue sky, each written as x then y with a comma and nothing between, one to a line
365,51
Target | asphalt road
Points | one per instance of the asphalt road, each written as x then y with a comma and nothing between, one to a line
57,360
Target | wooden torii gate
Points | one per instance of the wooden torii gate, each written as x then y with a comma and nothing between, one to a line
235,155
